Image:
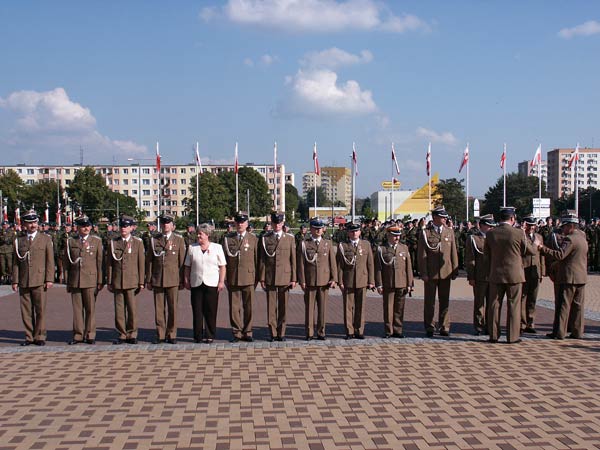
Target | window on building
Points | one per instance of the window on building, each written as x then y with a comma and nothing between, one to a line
173,169
134,181
125,171
173,191
125,181
145,202
183,192
146,192
29,182
134,192
134,170
173,202
146,171
125,192
146,182
183,181
67,182
115,170
182,170
30,172
116,182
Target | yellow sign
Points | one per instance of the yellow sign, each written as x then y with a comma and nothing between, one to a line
388,184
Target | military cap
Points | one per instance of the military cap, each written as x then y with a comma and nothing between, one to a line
4,222
83,221
569,217
394,231
440,211
30,216
352,226
165,218
241,216
488,220
277,216
317,222
126,221
507,210
529,220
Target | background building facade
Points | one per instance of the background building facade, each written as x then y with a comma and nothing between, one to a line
561,177
523,169
335,181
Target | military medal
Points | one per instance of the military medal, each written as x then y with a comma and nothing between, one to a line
129,247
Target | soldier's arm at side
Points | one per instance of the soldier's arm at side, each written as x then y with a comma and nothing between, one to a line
370,269
422,256
49,279
470,260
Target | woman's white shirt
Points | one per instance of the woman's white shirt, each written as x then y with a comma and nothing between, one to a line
204,266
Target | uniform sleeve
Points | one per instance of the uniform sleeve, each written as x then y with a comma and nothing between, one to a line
221,261
409,271
299,264
261,260
370,267
141,262
469,259
332,265
422,254
148,266
188,257
293,259
454,255
99,263
49,261
339,257
15,265
378,277
565,250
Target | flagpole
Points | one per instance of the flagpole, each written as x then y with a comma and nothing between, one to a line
392,193
504,176
237,194
316,186
353,183
540,182
197,187
468,162
576,160
275,181
159,184
429,175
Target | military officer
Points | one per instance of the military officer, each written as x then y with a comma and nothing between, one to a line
241,254
7,239
356,274
164,261
571,276
534,266
148,234
33,275
82,260
505,247
394,279
300,235
125,279
277,273
190,236
438,265
477,267
317,273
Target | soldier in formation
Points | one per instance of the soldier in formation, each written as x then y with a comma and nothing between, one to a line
7,239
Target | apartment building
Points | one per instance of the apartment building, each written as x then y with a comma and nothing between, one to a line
141,181
524,169
561,177
335,181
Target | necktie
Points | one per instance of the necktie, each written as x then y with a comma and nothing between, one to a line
239,237
277,236
30,238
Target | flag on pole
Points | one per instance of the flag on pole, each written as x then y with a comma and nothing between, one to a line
537,158
5,213
316,160
428,160
574,156
354,159
157,158
47,213
503,158
395,160
235,167
18,216
465,159
198,160
58,213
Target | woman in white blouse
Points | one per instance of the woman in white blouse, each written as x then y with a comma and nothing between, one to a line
204,274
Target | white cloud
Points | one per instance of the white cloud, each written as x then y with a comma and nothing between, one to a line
248,62
52,124
334,57
585,29
208,13
443,138
317,92
321,16
265,60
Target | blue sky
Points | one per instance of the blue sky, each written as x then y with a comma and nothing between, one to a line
114,77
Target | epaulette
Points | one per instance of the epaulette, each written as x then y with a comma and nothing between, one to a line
291,235
135,237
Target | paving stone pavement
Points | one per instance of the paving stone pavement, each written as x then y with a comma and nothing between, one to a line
411,393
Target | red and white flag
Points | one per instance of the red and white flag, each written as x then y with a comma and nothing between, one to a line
157,158
395,160
198,160
537,158
503,158
58,214
316,160
235,164
465,159
5,213
574,156
428,160
18,216
354,159
47,213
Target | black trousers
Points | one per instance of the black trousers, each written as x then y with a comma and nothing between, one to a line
204,311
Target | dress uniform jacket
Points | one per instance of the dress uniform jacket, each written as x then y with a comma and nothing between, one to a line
125,268
242,259
393,267
316,263
355,265
33,263
570,264
277,265
535,262
164,260
83,262
506,246
476,263
436,254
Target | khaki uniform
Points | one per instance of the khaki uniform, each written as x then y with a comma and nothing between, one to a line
277,269
7,239
317,270
356,270
241,278
535,268
83,263
393,273
571,276
164,262
33,265
477,266
125,274
506,246
438,261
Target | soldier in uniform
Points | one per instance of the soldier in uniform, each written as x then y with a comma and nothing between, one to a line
317,273
477,267
190,236
356,274
571,277
164,261
33,275
241,254
534,266
300,235
125,279
438,265
505,247
592,241
340,234
277,273
7,239
148,234
394,279
83,262
411,238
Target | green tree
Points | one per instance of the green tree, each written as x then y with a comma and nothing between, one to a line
39,194
261,202
322,199
589,203
88,189
452,196
292,201
12,187
520,190
365,209
214,199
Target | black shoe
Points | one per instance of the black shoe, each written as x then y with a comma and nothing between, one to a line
493,341
429,334
74,342
197,340
208,341
387,336
248,339
234,340
281,339
551,335
119,342
349,336
158,341
26,343
39,343
398,335
132,341
478,333
309,338
571,336
171,341
89,341
530,330
444,333
359,336
272,339
321,338
518,341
